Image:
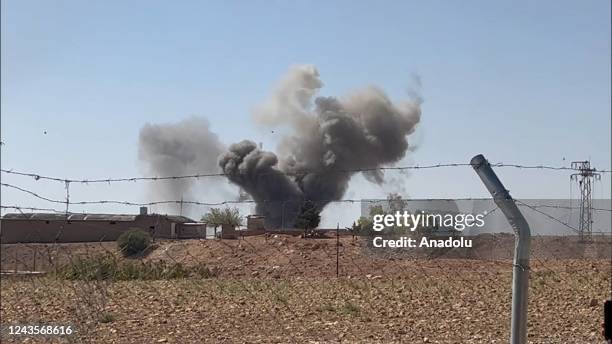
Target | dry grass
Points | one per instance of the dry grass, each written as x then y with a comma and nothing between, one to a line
440,306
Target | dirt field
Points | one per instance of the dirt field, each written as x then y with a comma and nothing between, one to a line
284,290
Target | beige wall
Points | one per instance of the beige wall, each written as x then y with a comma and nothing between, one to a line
18,230
190,230
25,230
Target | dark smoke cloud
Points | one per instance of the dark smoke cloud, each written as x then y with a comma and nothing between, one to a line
173,149
327,136
255,171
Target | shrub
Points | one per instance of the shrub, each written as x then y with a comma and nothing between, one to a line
107,267
98,268
363,227
133,242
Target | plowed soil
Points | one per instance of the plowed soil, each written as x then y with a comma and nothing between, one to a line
284,289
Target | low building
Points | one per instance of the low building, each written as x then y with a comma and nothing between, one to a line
256,223
49,228
228,231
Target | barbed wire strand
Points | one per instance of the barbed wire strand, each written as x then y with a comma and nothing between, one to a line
225,202
300,173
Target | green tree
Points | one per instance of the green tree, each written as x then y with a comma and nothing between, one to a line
363,226
218,216
376,210
309,217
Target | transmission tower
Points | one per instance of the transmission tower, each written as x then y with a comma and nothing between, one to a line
585,178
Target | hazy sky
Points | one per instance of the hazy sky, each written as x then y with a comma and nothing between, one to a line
521,82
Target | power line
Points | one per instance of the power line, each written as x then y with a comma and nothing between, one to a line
566,207
548,216
32,193
576,230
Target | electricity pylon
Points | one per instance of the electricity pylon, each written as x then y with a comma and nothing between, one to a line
585,177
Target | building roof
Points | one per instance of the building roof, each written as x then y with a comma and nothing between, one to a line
178,218
71,217
88,217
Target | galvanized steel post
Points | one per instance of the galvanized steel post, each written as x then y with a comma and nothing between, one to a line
522,242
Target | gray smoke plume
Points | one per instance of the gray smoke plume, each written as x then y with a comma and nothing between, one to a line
174,149
327,138
255,171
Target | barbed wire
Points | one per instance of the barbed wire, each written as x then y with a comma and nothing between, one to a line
19,208
37,176
225,202
228,202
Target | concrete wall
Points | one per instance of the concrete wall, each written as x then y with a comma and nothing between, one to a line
256,223
228,232
191,230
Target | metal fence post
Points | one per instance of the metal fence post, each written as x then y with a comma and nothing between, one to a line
338,250
522,241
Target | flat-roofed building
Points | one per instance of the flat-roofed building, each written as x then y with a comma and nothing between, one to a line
47,227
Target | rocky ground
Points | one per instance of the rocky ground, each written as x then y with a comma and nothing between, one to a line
284,290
